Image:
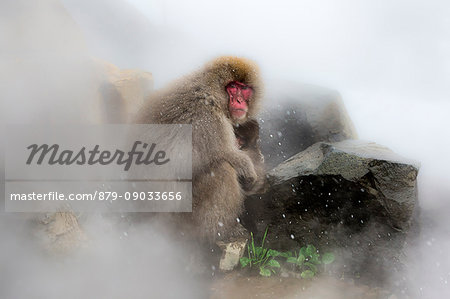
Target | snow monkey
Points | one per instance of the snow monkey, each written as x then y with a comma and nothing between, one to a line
220,101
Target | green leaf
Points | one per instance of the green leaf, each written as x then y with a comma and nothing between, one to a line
264,272
311,266
328,258
303,251
301,258
315,259
273,263
310,250
286,254
273,253
291,260
258,251
253,245
244,261
307,274
264,238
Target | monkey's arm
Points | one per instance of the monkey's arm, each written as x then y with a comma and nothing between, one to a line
209,150
258,162
250,132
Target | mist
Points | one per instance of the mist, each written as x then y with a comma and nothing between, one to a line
390,61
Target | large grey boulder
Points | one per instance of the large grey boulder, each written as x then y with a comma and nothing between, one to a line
295,116
355,198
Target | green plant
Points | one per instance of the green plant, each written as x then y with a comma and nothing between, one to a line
261,257
307,260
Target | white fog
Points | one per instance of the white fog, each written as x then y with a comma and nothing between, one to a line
389,60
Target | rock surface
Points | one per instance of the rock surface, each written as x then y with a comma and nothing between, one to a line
49,55
121,92
60,232
231,254
355,198
296,116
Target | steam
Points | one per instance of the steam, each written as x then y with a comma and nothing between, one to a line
389,59
137,262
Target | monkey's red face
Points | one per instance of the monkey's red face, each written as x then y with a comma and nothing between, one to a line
239,97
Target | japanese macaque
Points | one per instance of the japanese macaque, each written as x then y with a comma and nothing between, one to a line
220,101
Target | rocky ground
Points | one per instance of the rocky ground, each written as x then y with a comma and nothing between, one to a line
235,285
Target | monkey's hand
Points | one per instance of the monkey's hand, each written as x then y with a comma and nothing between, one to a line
244,168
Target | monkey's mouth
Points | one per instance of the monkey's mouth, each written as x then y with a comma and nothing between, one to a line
238,113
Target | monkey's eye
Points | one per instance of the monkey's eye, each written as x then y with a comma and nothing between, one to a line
245,87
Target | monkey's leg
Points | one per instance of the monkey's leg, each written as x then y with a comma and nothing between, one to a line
218,202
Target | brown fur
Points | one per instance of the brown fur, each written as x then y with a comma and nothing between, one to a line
219,167
248,136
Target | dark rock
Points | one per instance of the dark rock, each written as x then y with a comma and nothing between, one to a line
354,198
302,116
